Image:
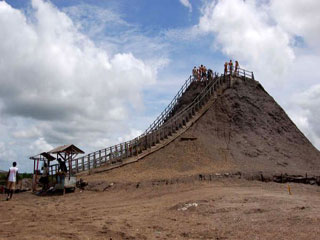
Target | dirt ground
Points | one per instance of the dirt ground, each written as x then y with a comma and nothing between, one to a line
220,209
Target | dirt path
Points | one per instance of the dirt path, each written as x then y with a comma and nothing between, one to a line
224,209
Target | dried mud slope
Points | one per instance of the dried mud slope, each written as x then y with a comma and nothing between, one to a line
245,130
253,133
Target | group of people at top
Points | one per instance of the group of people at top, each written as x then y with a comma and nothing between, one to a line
228,67
201,73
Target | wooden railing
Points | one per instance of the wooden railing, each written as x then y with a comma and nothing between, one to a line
164,114
244,73
240,72
163,127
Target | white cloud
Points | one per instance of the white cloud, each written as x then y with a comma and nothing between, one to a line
187,4
7,155
40,145
243,31
133,134
60,83
307,112
27,133
50,70
94,20
299,17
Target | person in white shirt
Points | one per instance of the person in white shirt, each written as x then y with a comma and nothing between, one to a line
12,179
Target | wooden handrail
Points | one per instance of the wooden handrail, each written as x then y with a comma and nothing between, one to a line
173,102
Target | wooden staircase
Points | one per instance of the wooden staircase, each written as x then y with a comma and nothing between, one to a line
167,127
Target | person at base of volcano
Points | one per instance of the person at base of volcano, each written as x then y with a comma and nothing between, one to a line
62,171
45,177
12,180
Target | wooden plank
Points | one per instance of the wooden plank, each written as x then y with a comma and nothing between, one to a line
126,149
94,160
111,155
158,136
152,138
121,151
136,147
116,153
77,165
82,161
130,149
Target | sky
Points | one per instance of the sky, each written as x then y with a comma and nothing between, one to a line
98,72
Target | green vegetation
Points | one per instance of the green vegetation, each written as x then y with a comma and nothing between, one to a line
3,176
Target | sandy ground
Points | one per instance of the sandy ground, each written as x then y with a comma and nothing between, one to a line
221,209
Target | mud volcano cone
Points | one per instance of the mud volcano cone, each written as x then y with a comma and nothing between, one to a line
244,130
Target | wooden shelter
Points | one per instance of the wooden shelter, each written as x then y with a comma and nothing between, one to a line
42,157
64,155
67,153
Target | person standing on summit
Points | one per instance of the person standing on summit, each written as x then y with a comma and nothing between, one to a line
195,73
225,68
12,179
230,67
236,68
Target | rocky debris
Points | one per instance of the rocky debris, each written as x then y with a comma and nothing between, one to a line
25,184
81,184
187,206
98,186
284,178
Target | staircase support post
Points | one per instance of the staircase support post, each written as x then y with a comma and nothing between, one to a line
111,155
94,161
121,151
126,149
77,165
89,162
82,162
